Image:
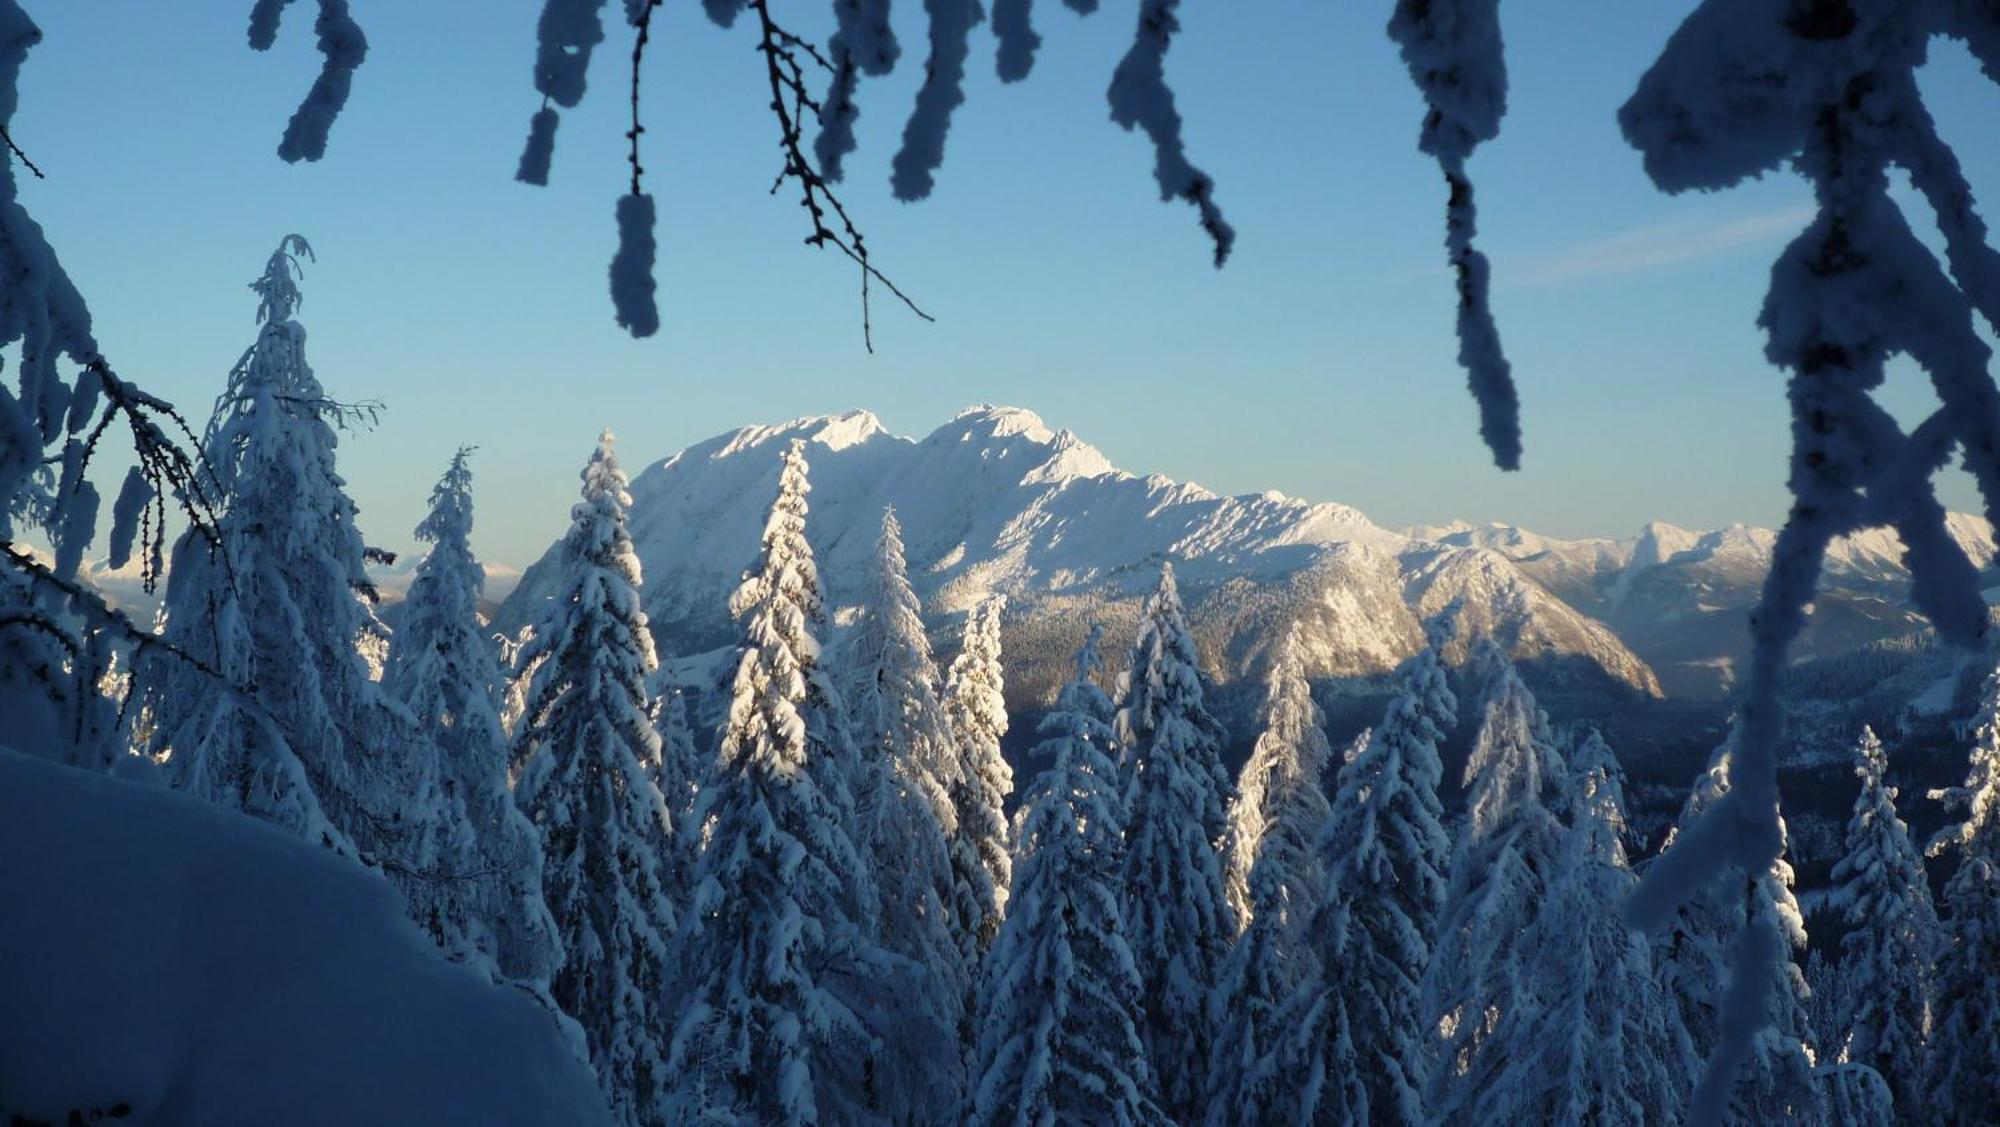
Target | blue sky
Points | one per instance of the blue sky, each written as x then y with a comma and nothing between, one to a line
1320,362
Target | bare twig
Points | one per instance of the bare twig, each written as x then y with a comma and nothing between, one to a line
785,59
9,138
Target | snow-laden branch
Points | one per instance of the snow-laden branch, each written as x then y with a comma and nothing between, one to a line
1453,51
916,163
1141,99
344,47
1830,88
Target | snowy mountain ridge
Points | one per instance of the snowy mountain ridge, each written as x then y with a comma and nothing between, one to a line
997,503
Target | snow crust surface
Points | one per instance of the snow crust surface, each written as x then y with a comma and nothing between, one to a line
210,969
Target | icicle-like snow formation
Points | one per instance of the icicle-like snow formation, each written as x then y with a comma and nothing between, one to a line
1141,99
567,33
862,43
914,169
1830,87
1015,30
1453,51
344,47
632,285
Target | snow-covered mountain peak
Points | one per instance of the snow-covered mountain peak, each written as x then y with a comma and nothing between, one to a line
997,421
835,432
995,502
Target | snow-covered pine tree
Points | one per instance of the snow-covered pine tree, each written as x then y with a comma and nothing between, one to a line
1892,938
1507,859
681,768
1277,819
1292,744
1356,1042
591,755
1964,1072
295,732
1176,909
1695,955
980,781
903,818
482,898
769,1030
1058,1036
1595,1041
520,666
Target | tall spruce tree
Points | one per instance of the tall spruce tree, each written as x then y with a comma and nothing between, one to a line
485,901
295,731
1891,939
1176,909
1589,1041
1759,915
980,781
591,756
1356,1043
1964,1070
1277,818
1058,1036
1505,863
904,819
770,1029
1292,746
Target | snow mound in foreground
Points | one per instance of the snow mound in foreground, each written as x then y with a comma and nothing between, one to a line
199,967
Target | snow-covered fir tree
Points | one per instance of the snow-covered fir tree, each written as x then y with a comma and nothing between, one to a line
903,819
770,1028
681,767
514,696
1591,1028
1356,1043
295,731
1176,908
591,758
980,781
483,899
1278,815
1891,941
1964,1068
1292,745
1058,1036
1694,955
1507,859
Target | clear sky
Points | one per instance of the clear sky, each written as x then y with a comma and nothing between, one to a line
1320,362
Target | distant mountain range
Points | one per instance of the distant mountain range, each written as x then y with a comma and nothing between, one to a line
996,503
1681,600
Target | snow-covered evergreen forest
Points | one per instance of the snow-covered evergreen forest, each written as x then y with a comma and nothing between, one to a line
811,777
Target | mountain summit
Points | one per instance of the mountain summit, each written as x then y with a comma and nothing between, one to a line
996,502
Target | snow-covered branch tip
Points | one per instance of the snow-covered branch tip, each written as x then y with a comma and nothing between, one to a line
344,47
633,287
1141,99
1454,55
